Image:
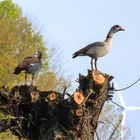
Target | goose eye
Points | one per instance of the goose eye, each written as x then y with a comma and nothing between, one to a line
116,28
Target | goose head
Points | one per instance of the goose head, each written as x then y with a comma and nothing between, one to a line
37,54
116,28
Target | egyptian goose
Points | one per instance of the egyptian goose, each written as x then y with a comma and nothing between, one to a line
30,65
98,49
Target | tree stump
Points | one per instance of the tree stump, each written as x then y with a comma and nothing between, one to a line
49,115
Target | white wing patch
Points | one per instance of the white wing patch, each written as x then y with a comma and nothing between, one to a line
32,64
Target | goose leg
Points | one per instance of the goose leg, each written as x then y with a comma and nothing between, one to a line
32,79
25,77
95,63
91,63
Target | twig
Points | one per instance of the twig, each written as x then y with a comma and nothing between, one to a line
127,86
97,135
101,122
70,96
114,131
117,104
64,92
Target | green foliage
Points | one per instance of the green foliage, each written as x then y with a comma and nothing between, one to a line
9,11
7,136
1,116
19,39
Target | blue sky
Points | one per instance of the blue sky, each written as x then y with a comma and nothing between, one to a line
74,24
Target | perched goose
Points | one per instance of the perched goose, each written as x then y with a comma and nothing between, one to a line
31,65
98,49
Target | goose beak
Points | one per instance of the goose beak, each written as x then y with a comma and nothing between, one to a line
121,29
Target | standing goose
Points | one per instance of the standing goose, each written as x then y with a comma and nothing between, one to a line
31,65
98,49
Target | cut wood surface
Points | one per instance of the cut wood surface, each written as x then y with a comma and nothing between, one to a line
79,112
98,77
53,96
78,97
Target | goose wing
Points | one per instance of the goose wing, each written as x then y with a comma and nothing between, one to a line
84,50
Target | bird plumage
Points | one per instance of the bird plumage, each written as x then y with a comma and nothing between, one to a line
26,64
98,49
31,65
90,50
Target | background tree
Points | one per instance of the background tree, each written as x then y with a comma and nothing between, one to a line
110,117
18,39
